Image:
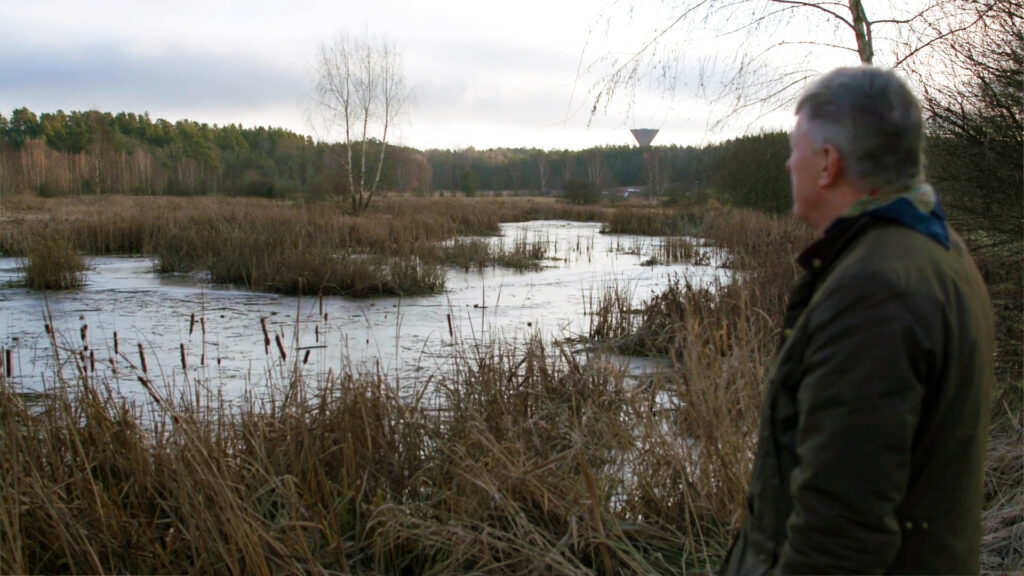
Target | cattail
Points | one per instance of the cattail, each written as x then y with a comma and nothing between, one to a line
305,357
115,342
184,365
142,358
192,324
280,347
7,363
266,336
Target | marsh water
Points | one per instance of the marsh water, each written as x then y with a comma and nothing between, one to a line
191,331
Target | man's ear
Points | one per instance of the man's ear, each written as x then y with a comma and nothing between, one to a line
831,166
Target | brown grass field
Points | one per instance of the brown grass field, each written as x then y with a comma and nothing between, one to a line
527,459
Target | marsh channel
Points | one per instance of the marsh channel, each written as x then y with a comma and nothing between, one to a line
191,331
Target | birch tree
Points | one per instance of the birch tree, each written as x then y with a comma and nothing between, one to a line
360,93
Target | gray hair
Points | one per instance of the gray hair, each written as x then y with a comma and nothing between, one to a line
873,120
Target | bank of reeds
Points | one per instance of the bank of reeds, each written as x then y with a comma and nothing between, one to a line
653,221
523,254
53,263
467,253
682,249
285,247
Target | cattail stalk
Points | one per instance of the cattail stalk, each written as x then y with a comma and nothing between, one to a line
142,359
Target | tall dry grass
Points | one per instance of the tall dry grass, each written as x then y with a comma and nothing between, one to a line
527,458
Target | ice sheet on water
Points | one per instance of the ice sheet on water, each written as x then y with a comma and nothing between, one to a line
408,337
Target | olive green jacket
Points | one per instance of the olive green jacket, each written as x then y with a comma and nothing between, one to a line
875,420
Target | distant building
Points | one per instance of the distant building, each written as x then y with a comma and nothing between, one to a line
623,191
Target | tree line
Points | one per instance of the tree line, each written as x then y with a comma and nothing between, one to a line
91,152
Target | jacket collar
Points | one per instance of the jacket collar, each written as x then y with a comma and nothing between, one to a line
823,252
917,208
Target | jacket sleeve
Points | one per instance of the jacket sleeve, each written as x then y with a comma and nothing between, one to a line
859,399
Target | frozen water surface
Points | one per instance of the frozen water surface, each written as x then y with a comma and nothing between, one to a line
407,339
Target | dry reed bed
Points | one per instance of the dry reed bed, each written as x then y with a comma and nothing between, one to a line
279,246
528,458
135,224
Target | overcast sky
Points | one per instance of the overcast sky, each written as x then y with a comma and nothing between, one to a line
483,74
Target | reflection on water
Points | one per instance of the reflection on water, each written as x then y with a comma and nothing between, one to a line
217,332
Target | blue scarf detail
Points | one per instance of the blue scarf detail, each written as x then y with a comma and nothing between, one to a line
903,211
917,208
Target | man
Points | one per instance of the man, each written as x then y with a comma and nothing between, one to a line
875,420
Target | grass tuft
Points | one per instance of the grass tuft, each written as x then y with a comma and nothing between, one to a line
53,263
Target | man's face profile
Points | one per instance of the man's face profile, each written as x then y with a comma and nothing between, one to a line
805,166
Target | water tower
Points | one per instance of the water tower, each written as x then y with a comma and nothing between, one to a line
644,136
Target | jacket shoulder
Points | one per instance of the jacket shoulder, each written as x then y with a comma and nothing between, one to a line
892,257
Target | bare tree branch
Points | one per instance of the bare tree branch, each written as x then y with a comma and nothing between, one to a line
900,35
939,37
818,6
